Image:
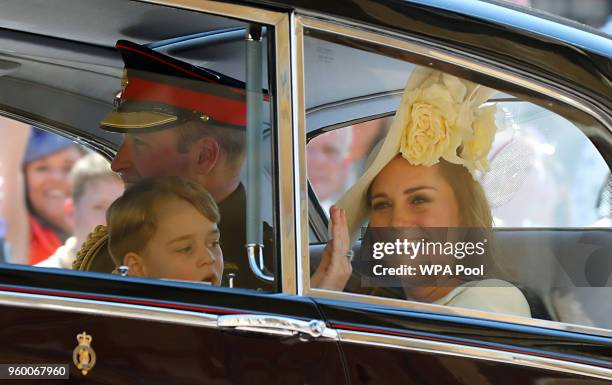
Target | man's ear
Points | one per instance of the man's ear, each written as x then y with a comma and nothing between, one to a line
135,264
207,153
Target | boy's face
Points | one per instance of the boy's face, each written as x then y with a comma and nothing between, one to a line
90,209
185,245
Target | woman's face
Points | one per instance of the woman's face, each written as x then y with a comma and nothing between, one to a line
403,195
409,196
49,185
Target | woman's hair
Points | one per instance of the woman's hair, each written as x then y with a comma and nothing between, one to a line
476,220
131,218
474,208
475,215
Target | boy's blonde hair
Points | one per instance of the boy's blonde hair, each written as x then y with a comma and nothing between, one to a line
131,218
91,167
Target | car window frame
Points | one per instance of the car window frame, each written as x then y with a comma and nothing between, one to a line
464,64
279,66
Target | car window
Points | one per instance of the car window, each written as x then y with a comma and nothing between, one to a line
387,149
535,152
187,132
54,192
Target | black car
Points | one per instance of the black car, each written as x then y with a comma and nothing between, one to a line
333,74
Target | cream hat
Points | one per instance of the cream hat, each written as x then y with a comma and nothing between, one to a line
439,116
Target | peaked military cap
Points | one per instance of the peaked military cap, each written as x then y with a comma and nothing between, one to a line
158,91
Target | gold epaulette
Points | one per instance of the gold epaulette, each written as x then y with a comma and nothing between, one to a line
89,249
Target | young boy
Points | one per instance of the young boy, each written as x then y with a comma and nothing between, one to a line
94,187
166,227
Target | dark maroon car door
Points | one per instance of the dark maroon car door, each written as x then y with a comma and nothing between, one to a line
147,332
383,345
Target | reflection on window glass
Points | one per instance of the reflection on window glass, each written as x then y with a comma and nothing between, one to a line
194,149
534,151
337,158
54,193
463,196
202,125
539,153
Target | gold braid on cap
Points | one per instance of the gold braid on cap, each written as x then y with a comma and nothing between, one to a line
89,249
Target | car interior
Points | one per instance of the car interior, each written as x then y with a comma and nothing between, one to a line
67,84
549,261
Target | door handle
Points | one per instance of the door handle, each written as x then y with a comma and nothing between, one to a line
277,325
256,262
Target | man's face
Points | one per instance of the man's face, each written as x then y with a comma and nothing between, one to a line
150,154
327,164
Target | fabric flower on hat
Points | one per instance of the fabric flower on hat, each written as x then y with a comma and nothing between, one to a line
439,116
476,146
441,119
429,130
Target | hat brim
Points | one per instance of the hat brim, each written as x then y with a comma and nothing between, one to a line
136,121
354,201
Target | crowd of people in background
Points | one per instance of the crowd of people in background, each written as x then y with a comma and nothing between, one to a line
335,159
66,189
94,188
522,156
54,192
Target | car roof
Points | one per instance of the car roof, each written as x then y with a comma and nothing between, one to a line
66,35
515,35
525,20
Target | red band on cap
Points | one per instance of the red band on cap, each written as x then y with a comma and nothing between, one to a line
221,109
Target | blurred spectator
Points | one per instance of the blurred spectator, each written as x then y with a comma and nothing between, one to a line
12,197
94,187
47,162
365,136
328,162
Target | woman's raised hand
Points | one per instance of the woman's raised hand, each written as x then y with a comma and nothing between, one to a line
335,268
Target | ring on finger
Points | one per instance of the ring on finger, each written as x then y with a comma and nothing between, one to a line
350,254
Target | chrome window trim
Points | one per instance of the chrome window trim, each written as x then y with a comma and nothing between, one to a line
92,307
286,154
468,61
242,12
303,255
436,53
458,311
260,323
445,348
284,113
357,99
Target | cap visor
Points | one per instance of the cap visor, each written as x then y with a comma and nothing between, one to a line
136,121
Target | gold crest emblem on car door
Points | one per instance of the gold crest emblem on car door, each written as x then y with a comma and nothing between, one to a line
83,356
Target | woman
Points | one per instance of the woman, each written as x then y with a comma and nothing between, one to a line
423,177
47,162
